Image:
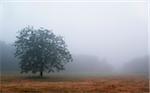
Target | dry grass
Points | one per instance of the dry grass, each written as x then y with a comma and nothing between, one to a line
74,85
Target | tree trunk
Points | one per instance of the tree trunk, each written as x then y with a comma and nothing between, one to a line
41,73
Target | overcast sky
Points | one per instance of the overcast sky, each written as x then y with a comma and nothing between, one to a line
116,31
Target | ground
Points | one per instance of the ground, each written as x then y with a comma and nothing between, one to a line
66,84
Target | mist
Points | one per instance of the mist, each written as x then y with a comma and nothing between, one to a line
102,40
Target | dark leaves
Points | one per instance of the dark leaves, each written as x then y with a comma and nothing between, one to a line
40,49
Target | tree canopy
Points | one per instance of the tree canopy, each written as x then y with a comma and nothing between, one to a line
40,50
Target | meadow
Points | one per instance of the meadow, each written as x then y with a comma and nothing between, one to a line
74,84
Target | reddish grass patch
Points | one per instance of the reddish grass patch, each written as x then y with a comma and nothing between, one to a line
91,85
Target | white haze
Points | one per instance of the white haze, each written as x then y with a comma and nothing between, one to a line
113,31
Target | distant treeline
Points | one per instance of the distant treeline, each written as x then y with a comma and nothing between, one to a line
137,66
7,59
82,64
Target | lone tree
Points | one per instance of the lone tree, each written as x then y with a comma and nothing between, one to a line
40,50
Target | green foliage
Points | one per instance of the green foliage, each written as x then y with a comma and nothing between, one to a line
41,50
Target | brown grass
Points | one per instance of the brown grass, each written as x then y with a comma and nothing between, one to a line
74,85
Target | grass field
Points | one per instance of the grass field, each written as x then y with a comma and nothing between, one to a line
66,84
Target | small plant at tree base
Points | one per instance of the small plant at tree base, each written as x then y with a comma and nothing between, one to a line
40,50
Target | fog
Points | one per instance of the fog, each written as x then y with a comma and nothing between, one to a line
101,36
